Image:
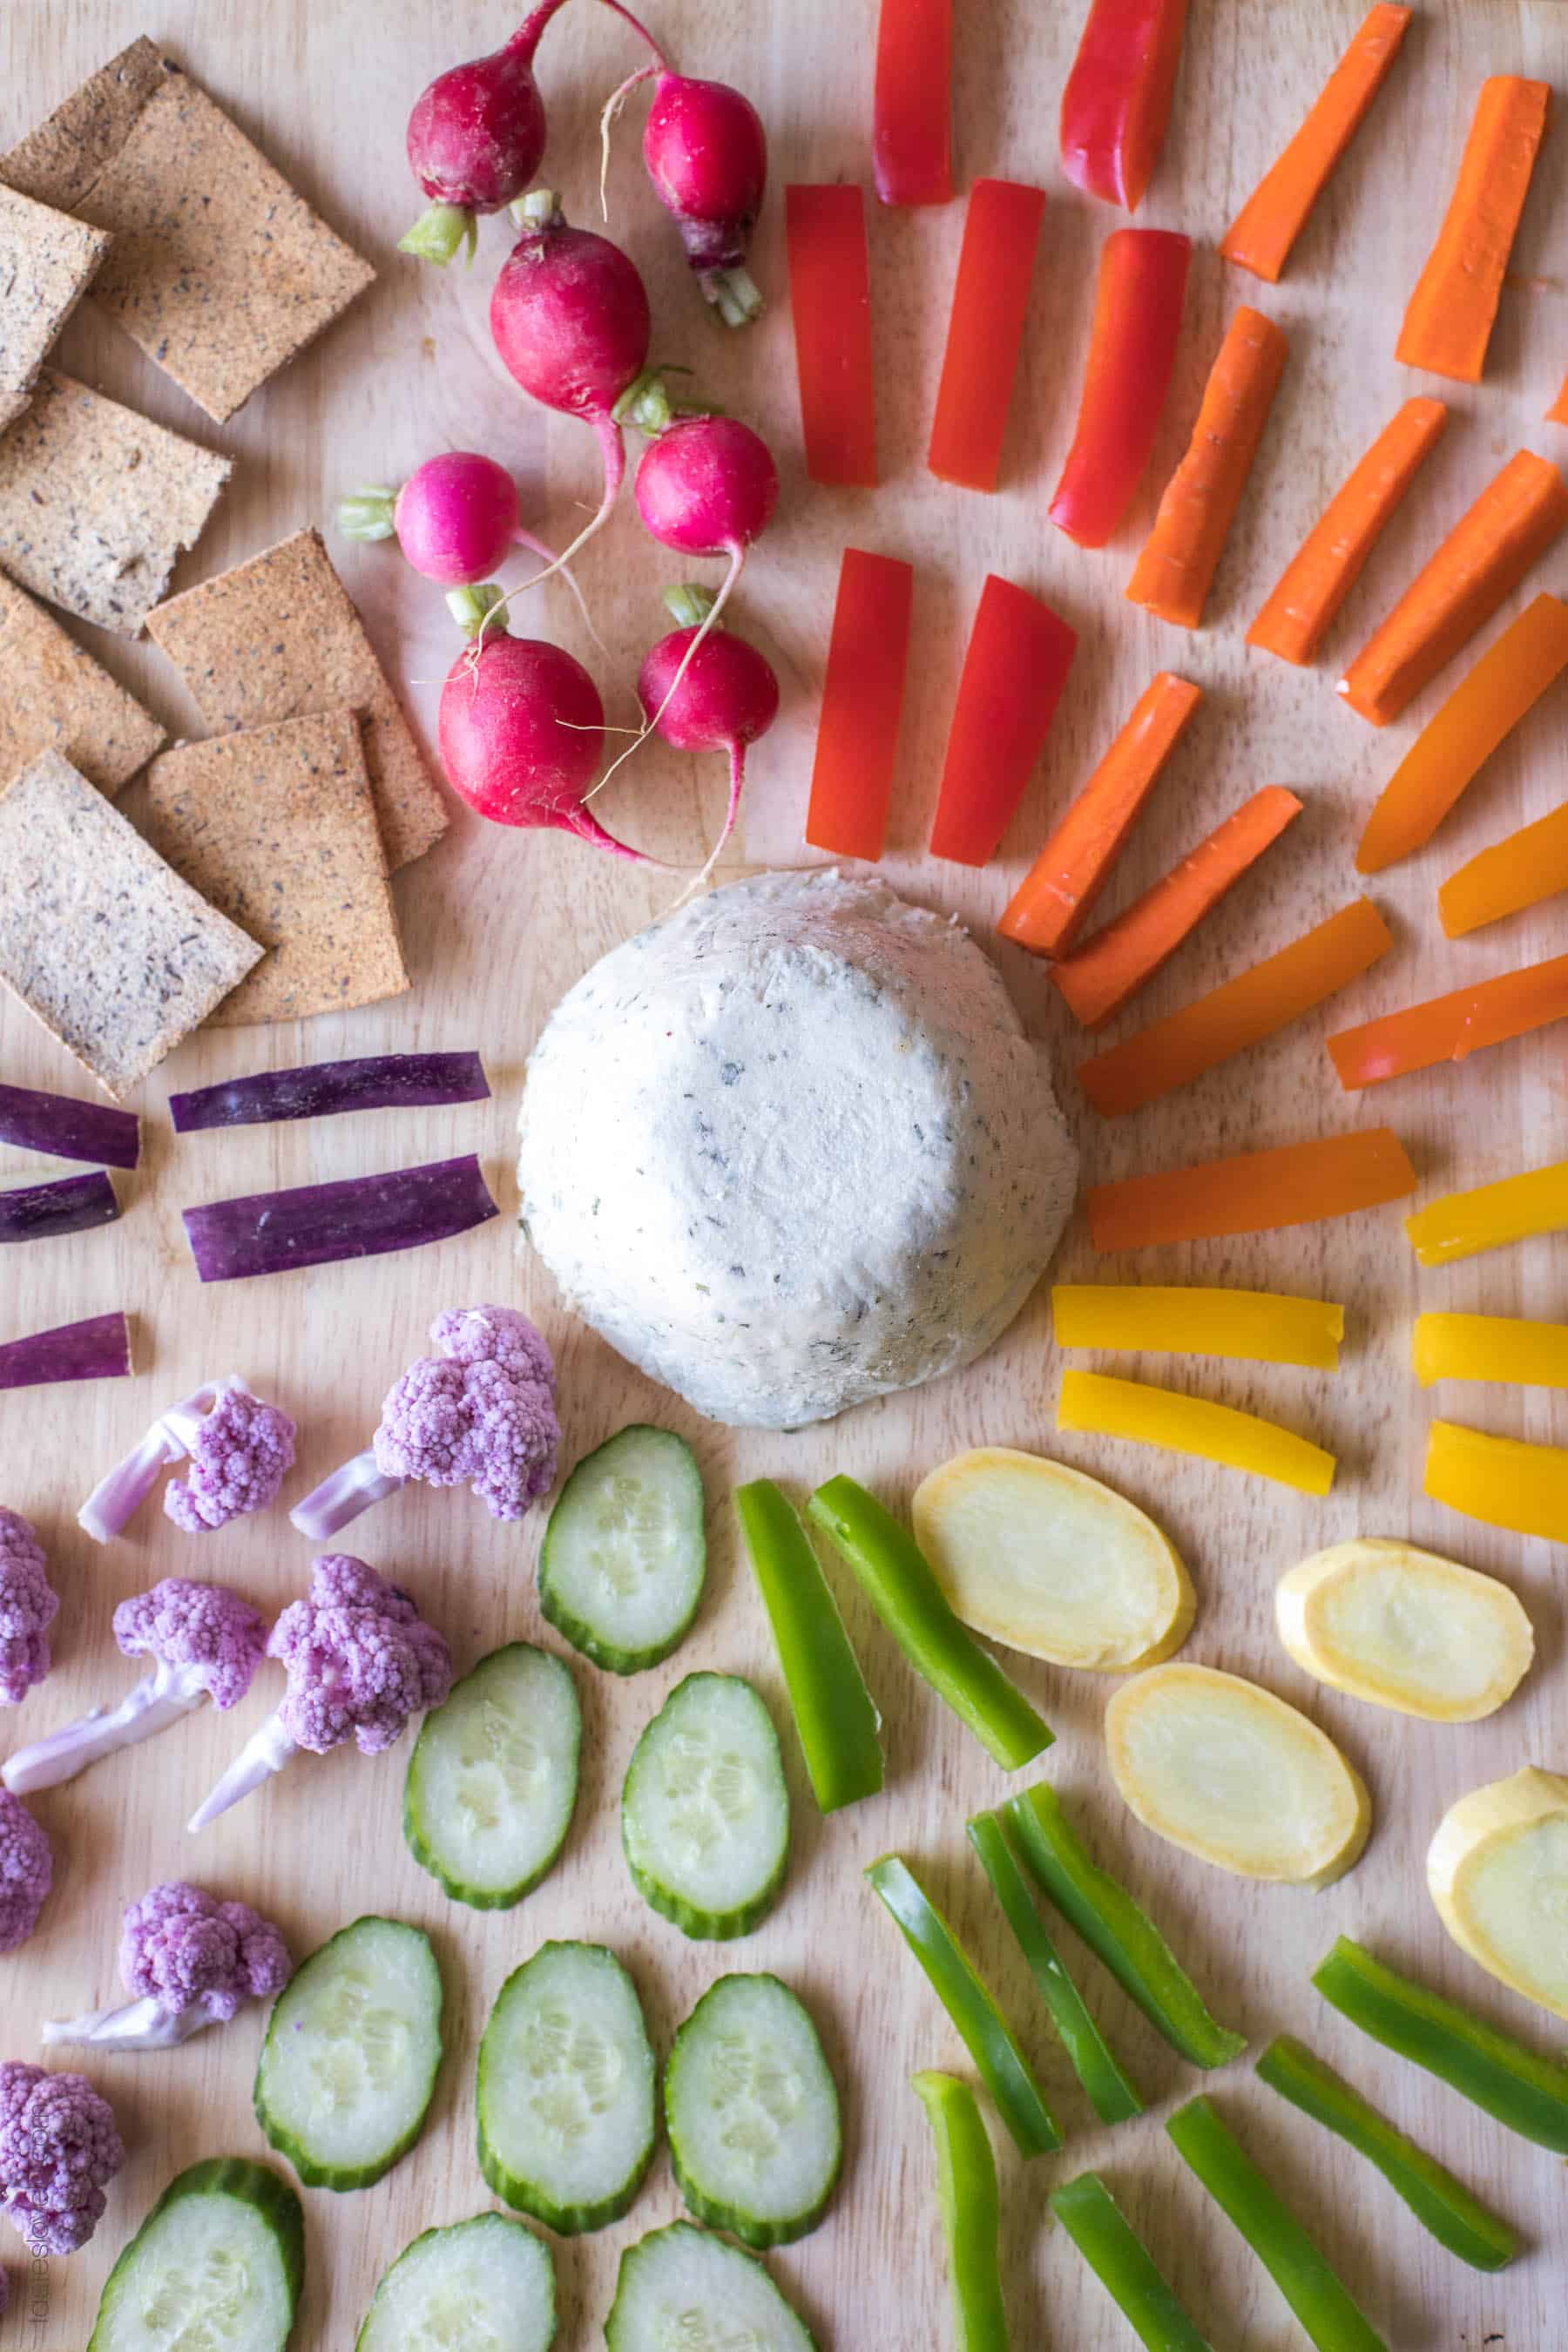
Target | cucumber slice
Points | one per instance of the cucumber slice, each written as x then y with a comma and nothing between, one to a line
352,2050
680,2290
750,2112
705,1810
484,2285
217,2266
493,1778
625,1554
566,2089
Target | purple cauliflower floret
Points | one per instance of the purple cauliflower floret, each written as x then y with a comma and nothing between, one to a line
358,1657
29,1607
59,2149
180,1944
241,1456
209,1630
482,1411
26,1871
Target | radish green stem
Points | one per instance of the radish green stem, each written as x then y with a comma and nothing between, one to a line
471,607
367,513
439,232
733,292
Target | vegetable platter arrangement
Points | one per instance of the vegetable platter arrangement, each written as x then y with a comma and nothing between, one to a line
1053,1938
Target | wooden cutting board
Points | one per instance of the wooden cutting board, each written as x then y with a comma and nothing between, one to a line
497,926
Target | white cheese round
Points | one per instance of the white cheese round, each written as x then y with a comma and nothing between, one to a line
790,1149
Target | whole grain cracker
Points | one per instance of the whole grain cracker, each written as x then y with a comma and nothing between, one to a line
47,263
60,160
220,271
96,502
100,940
280,637
54,696
276,826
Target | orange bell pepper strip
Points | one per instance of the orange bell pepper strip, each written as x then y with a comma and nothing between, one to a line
830,298
1449,323
1485,556
1489,1216
1517,872
1116,105
1306,601
1253,1191
1172,576
1239,1013
1253,1326
1110,969
1102,1407
911,123
1558,411
1260,236
984,332
1138,300
1013,672
1501,1481
1449,1028
1053,902
1452,747
862,702
1511,1348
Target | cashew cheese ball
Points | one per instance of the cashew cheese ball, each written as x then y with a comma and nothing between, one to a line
790,1149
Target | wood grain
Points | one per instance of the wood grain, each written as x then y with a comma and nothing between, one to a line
497,926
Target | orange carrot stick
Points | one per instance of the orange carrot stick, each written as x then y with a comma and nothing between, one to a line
1174,573
1114,964
1052,903
1334,555
1240,1013
1254,1192
1449,1028
1450,750
1275,213
1484,558
1449,321
1514,872
1558,411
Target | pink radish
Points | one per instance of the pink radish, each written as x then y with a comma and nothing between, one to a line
726,698
455,517
476,137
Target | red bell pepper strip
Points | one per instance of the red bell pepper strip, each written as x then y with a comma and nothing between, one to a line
912,137
1132,347
830,296
1448,1028
1001,232
862,699
1018,657
1116,102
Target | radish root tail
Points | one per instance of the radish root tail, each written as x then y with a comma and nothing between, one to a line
613,448
613,106
737,560
538,547
737,780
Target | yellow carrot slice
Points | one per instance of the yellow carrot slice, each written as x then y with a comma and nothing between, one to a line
1516,872
1498,1872
1502,1481
1137,1410
1405,1629
1449,321
1261,1327
1511,1347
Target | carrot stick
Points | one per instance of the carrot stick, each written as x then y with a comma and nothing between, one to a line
1558,411
1014,669
862,700
1331,557
1239,1013
1275,213
1456,740
1053,901
1174,573
1484,558
1449,1028
1514,872
1449,323
912,134
1253,1192
984,332
830,296
1114,964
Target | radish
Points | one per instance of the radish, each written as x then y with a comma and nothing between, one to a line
727,695
455,519
476,137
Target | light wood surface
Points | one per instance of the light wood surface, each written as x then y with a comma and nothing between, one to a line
496,926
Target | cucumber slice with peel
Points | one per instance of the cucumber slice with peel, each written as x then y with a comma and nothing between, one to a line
566,2089
625,1554
352,2050
492,1780
484,2285
217,2266
705,1809
682,2290
750,2112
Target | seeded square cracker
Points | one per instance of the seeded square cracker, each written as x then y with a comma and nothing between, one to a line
60,162
280,637
276,826
47,263
103,942
96,502
54,696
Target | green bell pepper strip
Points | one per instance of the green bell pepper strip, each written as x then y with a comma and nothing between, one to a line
834,1714
897,1580
1443,2205
971,2211
1302,2273
1112,2096
986,2035
1521,2089
1117,1929
1122,2262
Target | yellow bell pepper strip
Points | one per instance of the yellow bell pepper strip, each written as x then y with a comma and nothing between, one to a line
1294,2260
1122,2262
1516,872
984,2030
1463,1224
897,1580
1527,2093
1504,1482
834,1713
1508,1348
1442,2204
971,2210
1148,1415
1117,1929
1258,1326
1111,2093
